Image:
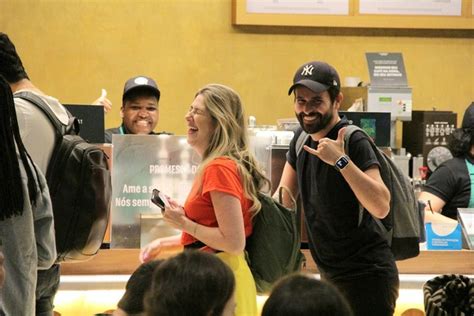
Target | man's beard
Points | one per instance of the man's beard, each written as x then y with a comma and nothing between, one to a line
319,123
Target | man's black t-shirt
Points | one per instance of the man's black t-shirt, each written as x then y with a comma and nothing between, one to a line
451,183
341,248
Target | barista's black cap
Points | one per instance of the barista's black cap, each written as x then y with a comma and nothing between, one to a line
317,76
468,119
143,83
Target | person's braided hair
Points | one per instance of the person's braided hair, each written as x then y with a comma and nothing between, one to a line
11,66
11,191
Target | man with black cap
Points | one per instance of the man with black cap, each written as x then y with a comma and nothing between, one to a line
449,186
349,251
139,110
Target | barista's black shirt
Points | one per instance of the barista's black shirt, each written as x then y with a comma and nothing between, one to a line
452,184
341,248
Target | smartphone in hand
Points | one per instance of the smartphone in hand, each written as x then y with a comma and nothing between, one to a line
159,199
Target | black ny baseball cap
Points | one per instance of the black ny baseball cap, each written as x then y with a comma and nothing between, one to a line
317,76
143,83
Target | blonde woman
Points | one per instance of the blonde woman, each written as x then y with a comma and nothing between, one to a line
217,215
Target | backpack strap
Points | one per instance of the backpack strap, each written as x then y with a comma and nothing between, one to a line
300,141
350,129
280,192
73,124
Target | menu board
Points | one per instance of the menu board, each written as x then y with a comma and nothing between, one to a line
392,14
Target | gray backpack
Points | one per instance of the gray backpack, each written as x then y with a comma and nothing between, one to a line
403,226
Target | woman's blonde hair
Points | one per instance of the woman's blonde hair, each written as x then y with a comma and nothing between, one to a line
230,139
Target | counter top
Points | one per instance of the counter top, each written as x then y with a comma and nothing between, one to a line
125,261
427,262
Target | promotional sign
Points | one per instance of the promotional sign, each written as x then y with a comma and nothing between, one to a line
142,163
443,236
386,69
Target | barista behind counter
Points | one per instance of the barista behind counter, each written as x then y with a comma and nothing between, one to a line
451,186
139,111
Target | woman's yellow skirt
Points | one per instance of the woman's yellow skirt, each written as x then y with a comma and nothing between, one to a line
245,291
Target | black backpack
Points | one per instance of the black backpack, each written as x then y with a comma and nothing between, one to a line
79,182
273,249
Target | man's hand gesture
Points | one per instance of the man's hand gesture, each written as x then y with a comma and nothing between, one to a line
329,150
